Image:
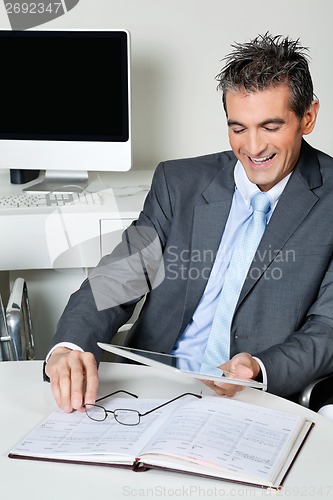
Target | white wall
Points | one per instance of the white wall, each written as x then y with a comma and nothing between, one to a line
177,47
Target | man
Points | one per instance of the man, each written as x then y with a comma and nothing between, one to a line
282,326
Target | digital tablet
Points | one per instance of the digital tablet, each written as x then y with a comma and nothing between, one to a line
175,364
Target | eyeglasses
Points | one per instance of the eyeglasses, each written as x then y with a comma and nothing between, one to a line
125,416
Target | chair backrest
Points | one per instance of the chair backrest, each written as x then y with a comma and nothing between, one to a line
7,349
19,324
317,394
17,342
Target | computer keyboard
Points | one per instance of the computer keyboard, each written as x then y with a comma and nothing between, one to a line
49,200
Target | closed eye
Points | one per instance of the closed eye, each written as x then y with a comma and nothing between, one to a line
271,129
238,130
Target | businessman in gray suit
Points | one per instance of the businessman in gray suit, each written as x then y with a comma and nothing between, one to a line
282,327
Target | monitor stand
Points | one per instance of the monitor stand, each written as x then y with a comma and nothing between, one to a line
60,181
19,176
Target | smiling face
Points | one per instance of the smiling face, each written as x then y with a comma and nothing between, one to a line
265,134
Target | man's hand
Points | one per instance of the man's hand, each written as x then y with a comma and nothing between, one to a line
243,365
74,378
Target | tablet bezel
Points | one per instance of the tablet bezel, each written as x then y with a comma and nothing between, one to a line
141,356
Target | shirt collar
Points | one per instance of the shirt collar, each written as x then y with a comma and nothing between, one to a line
247,189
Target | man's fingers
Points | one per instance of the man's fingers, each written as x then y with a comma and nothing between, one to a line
74,379
223,389
55,387
92,380
59,373
227,389
244,372
76,385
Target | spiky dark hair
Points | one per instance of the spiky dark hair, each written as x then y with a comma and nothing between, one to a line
267,61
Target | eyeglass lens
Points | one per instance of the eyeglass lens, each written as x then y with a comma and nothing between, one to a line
96,412
127,417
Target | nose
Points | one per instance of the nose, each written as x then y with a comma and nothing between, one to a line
255,144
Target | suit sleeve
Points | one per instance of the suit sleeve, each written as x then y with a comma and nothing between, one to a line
107,298
307,353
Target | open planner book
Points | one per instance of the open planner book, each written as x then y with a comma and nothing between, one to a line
215,437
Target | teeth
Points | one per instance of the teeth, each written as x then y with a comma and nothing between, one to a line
260,161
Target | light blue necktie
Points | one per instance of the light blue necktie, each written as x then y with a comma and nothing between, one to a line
218,345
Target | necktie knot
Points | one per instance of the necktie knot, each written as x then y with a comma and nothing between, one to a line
261,202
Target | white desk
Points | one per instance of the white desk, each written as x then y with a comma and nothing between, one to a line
53,251
26,400
71,238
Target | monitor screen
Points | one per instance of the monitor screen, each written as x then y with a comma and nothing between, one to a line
65,100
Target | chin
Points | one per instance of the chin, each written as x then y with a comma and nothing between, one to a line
264,184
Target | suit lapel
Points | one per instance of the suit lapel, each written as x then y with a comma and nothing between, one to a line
209,220
296,201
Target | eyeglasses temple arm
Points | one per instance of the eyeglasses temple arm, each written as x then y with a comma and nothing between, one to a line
116,392
170,401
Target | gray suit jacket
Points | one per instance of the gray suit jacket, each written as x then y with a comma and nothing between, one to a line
284,315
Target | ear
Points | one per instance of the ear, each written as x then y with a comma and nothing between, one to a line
309,119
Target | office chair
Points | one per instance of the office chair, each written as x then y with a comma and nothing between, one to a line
16,333
6,343
318,393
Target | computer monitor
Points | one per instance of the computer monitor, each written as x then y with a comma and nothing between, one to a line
65,105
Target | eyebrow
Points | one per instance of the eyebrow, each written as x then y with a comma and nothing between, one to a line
274,121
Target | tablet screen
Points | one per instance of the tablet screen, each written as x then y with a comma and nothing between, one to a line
174,364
